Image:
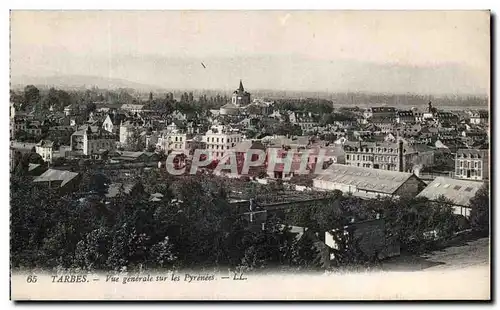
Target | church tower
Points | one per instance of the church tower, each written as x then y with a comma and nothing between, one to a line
240,96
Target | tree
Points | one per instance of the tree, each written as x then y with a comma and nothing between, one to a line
31,95
90,107
135,141
94,182
480,210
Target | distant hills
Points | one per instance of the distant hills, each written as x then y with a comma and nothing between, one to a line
360,99
78,82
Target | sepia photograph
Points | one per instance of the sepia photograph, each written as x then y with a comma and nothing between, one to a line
250,155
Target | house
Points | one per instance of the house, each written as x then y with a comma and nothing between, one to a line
392,156
91,139
368,235
478,117
68,110
403,117
385,123
132,156
459,192
306,120
178,116
445,117
472,164
132,108
45,149
63,180
380,112
112,122
107,107
173,141
126,129
220,139
367,182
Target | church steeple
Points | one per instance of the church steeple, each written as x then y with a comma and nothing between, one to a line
241,89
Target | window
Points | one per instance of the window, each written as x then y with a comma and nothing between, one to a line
348,156
479,165
357,158
461,164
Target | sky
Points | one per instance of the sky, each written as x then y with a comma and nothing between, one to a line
375,51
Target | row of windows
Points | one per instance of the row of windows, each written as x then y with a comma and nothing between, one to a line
216,147
96,145
378,150
389,159
469,155
475,164
468,173
228,140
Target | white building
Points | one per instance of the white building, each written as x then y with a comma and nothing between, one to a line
90,139
220,139
173,141
459,192
367,182
45,149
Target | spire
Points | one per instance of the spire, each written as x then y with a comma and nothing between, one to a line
241,89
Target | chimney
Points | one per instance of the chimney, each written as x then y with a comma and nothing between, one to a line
401,155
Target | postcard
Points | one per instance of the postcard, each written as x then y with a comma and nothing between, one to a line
250,155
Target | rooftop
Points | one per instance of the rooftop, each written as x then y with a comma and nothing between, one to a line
56,175
458,191
375,180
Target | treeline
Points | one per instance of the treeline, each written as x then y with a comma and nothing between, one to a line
194,226
198,230
313,105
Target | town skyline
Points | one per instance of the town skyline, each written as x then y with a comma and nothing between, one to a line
299,50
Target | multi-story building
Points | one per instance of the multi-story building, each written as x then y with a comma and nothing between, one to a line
175,142
126,129
478,117
45,148
132,108
68,110
220,139
90,139
472,164
306,120
405,117
393,156
380,112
